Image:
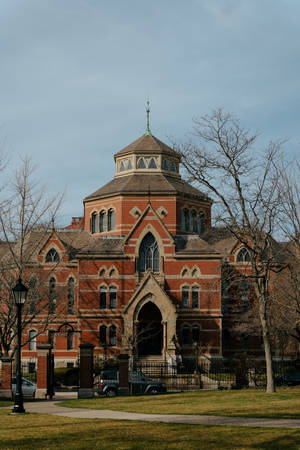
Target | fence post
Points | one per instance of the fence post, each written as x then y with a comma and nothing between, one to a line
50,374
5,388
123,374
42,350
86,371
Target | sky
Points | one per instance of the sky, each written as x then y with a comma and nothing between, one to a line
75,76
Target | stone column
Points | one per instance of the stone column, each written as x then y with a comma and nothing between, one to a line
5,388
165,344
42,352
86,371
123,374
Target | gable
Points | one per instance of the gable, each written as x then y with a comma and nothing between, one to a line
53,242
149,221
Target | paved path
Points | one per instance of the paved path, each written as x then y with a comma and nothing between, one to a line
52,407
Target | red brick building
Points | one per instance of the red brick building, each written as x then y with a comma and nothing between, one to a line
141,271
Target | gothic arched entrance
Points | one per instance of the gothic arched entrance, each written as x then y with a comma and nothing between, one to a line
149,330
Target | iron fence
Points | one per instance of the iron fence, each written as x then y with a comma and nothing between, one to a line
213,374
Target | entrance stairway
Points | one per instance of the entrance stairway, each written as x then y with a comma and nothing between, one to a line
151,359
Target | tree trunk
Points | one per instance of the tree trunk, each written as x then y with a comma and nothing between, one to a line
267,346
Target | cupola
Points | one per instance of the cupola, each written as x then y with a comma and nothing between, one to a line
147,155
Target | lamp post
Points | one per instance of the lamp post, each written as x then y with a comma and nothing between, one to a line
20,294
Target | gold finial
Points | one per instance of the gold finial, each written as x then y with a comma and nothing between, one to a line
148,132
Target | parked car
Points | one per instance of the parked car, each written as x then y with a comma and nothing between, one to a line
28,388
288,379
138,383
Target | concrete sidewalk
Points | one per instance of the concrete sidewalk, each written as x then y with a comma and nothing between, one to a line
52,407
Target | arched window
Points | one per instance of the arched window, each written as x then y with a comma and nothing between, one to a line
186,220
52,256
103,221
190,221
70,339
196,334
165,164
52,296
113,335
195,273
94,223
194,225
152,164
201,222
103,295
112,273
184,273
112,297
32,340
71,295
141,164
149,254
243,255
172,166
111,219
121,166
102,336
102,273
195,297
185,335
185,301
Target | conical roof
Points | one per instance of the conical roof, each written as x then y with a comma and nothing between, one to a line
147,143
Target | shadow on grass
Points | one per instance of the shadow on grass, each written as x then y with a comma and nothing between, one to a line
189,437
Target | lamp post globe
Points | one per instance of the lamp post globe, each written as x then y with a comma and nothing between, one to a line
20,294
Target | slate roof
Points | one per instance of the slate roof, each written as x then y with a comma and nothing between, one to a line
104,246
192,244
141,183
222,240
147,144
34,242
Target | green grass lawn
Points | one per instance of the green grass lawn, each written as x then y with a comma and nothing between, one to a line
37,431
5,403
285,403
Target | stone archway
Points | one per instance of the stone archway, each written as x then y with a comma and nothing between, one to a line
150,291
149,330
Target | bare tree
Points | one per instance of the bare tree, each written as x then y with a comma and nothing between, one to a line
27,214
286,292
243,182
